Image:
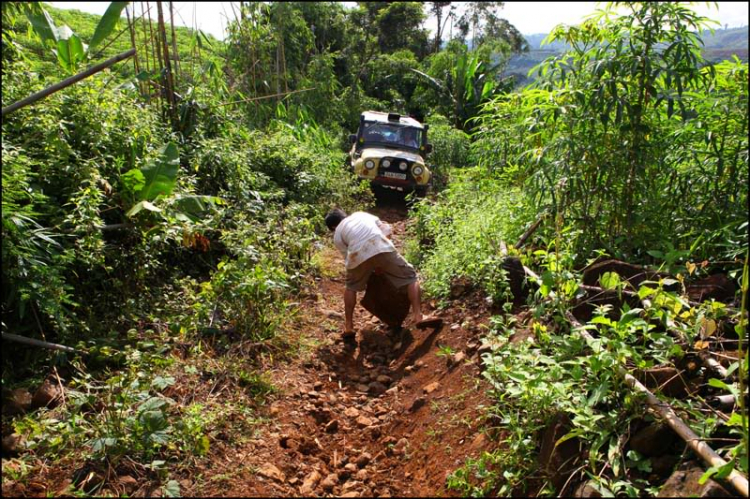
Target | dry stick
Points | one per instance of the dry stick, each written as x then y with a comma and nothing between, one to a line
709,456
267,96
531,230
66,82
708,361
38,343
713,364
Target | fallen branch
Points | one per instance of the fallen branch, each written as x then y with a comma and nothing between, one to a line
531,230
66,82
713,365
701,448
39,343
253,99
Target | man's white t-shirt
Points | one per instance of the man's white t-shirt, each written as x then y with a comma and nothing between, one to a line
360,236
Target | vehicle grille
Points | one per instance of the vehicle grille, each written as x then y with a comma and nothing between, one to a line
393,167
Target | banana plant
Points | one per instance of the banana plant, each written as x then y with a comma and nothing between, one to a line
154,184
68,46
466,85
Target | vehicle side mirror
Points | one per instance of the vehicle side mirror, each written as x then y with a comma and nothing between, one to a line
353,138
427,148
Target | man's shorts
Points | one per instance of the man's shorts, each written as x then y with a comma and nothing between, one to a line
397,270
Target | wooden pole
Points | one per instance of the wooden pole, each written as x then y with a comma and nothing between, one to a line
136,66
39,343
701,448
168,77
67,82
531,230
175,54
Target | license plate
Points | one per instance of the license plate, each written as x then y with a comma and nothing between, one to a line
402,176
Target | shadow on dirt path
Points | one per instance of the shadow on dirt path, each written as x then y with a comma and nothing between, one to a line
387,416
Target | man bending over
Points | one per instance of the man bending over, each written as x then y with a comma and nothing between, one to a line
363,240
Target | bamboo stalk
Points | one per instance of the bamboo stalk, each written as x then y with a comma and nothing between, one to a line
701,448
175,54
168,80
39,343
531,230
156,56
131,27
66,82
713,365
145,40
267,96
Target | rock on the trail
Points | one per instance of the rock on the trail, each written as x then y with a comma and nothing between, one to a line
376,388
384,378
268,470
318,386
417,404
362,475
364,459
362,387
431,387
332,426
401,446
364,422
330,482
351,412
309,484
373,432
456,358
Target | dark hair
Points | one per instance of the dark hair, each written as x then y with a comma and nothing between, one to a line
334,218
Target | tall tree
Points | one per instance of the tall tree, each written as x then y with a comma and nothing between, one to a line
482,20
436,9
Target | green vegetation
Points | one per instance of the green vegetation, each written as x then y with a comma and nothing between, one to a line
634,152
163,216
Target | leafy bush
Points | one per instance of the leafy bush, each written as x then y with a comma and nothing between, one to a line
632,158
459,235
450,149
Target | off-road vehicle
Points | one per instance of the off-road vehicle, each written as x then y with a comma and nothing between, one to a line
389,150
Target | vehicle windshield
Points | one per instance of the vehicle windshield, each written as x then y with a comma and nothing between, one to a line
388,134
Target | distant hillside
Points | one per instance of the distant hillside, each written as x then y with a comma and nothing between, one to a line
719,46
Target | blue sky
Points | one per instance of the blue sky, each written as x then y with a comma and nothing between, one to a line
528,17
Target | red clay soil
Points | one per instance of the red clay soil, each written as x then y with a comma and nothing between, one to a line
392,415
387,417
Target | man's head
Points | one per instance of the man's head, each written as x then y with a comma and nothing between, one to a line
334,218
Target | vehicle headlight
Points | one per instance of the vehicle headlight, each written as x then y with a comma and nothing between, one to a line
369,164
403,166
418,170
386,163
